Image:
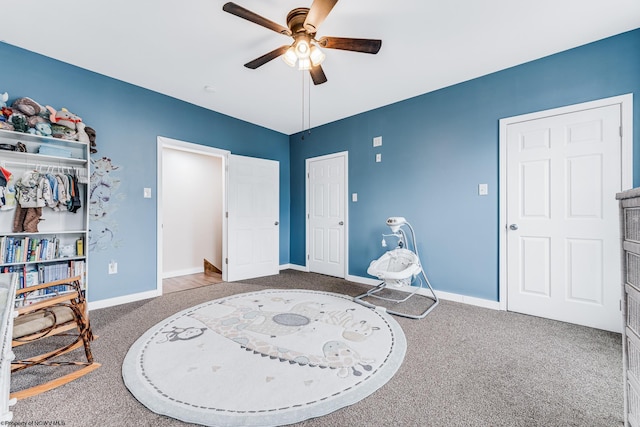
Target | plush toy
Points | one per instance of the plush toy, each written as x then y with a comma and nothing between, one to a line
5,113
27,106
19,122
33,113
6,126
82,133
63,117
42,129
92,138
4,97
63,132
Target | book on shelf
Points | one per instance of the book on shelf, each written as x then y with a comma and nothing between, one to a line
28,249
45,273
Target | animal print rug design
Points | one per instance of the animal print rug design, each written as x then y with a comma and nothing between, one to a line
264,358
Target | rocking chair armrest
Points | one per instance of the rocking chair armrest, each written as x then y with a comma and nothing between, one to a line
49,302
70,281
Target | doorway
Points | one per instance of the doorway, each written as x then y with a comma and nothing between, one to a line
183,168
560,171
327,214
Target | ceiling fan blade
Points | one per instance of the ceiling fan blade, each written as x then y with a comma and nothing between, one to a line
317,75
266,57
355,45
243,13
317,13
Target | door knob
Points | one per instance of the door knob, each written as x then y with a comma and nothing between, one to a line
276,223
341,223
513,226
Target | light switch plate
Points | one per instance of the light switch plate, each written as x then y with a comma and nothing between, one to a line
483,189
354,197
147,193
378,158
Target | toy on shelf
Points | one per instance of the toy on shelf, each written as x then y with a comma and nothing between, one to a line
29,116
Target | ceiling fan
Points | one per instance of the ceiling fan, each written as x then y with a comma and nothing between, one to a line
303,23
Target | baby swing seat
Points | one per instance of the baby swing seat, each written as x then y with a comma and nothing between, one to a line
396,267
401,268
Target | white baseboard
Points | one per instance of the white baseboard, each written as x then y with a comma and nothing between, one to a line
104,303
294,267
170,274
479,302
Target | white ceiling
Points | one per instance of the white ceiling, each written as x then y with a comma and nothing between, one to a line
178,48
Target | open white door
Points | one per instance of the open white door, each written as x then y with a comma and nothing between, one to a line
253,218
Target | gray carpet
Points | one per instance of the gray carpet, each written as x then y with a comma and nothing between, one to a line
465,366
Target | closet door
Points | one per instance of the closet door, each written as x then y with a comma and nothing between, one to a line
254,218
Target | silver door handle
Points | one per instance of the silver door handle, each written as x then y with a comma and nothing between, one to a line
341,223
276,223
513,226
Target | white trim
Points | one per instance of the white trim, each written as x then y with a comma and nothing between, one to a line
162,143
363,280
345,155
626,107
110,302
178,273
294,267
464,299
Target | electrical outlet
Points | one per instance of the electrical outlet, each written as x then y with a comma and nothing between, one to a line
377,141
113,267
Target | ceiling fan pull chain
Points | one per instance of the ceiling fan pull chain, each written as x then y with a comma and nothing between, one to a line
309,101
302,74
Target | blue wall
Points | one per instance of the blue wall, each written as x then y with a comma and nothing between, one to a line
439,146
128,119
436,149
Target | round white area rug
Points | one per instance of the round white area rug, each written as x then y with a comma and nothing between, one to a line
264,358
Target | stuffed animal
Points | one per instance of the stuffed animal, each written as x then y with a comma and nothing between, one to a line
42,129
92,138
82,133
19,122
4,97
63,117
5,113
63,132
33,113
27,106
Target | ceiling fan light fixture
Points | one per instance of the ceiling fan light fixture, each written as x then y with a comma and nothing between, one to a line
316,56
290,57
302,48
304,64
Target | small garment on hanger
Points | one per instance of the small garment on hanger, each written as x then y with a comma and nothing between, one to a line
29,190
8,199
81,175
75,202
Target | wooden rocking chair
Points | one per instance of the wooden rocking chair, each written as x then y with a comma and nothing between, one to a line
62,312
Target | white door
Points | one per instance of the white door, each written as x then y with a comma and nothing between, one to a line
326,214
562,173
254,215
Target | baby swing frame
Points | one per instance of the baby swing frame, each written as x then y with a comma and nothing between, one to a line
406,276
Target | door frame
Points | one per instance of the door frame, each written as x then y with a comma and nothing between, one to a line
626,154
162,143
345,156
